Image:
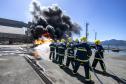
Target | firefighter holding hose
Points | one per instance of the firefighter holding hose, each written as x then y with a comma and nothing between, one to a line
70,53
52,50
99,50
61,52
57,50
82,58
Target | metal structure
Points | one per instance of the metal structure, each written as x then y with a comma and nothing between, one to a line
87,30
95,35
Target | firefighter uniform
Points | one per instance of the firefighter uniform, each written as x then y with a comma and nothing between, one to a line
61,52
70,55
99,56
57,53
52,50
82,58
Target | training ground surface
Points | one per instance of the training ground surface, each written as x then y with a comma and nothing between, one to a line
14,69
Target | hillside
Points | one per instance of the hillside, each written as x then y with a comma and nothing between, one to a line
114,42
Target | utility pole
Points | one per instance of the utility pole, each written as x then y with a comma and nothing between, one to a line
95,35
87,30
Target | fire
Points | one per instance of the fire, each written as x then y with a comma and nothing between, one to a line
46,35
39,42
44,39
42,50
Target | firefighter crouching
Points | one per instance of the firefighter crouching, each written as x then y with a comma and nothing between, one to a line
70,53
61,52
82,58
99,56
52,50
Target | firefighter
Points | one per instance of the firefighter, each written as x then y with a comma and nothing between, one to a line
99,56
57,54
52,50
61,52
70,53
82,58
76,41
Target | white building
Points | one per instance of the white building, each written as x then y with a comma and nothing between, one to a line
12,31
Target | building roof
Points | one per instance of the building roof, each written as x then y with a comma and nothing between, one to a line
12,23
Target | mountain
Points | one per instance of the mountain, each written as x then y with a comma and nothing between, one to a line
114,42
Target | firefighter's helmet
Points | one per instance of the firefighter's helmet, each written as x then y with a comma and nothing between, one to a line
84,39
62,40
97,42
52,40
76,40
69,39
58,41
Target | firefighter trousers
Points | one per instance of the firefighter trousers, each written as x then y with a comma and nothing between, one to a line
52,55
61,58
101,63
57,57
86,69
70,60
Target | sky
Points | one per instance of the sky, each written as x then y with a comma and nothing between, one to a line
106,17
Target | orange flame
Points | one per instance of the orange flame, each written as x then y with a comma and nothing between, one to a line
46,35
42,41
38,42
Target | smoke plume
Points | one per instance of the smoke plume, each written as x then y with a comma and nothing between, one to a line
51,19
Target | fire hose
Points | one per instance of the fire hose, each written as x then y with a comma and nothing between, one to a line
123,81
95,74
92,71
112,72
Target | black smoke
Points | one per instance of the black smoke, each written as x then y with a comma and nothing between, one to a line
52,20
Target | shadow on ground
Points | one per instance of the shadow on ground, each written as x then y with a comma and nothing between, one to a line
116,78
82,78
78,76
69,72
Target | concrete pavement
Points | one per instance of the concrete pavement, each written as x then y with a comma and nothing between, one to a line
14,69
